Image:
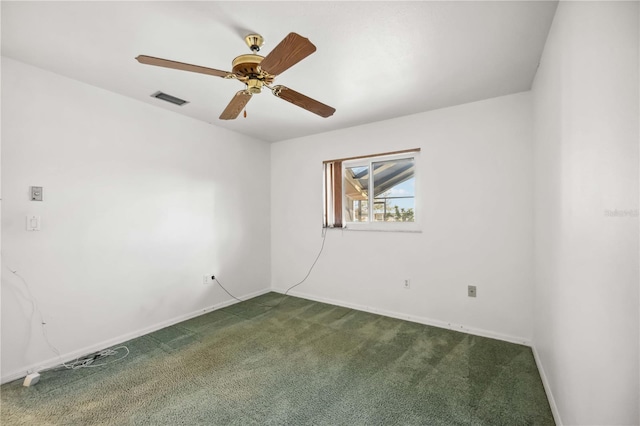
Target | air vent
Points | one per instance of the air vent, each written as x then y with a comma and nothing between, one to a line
169,98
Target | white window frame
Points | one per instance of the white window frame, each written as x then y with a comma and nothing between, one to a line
382,226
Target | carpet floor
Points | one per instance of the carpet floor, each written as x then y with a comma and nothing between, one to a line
295,363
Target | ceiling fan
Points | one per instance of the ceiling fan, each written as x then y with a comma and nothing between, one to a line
256,72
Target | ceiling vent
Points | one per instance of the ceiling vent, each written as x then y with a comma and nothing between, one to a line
169,98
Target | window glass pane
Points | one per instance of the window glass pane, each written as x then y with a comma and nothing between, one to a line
356,193
394,190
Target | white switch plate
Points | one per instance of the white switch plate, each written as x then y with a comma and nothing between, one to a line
33,223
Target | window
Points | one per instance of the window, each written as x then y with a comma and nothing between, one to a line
371,192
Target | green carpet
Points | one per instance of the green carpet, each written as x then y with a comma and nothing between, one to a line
297,363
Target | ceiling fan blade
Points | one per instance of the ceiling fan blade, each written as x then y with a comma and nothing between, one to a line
150,60
303,101
236,105
291,50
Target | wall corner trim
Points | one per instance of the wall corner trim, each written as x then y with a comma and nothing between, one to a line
547,387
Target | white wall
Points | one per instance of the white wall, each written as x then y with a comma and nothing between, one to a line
585,99
475,205
139,203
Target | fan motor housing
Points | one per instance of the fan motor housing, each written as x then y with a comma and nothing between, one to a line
248,66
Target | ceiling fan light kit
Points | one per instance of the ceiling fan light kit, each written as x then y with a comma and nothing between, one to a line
256,72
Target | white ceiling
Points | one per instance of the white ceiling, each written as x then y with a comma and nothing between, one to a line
374,60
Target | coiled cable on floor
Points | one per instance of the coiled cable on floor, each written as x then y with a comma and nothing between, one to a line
80,362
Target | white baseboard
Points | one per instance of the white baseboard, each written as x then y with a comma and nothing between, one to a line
412,318
547,387
70,356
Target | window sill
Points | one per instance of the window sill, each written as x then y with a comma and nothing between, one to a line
368,228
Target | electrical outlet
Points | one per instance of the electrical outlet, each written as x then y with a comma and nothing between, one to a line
407,284
471,290
206,279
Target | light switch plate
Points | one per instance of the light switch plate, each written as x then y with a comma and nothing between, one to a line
36,193
471,290
33,223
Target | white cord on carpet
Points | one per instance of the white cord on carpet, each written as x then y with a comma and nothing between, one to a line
80,362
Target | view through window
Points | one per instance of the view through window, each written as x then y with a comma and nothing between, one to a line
372,189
